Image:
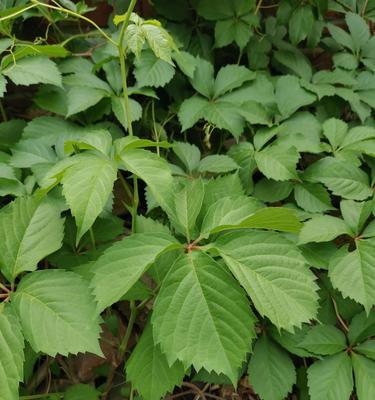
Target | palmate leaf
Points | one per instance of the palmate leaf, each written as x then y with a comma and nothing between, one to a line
273,273
11,353
331,378
353,273
57,313
271,371
148,369
30,230
87,185
218,332
122,264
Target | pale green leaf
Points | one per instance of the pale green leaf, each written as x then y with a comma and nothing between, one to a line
57,313
300,23
331,378
26,153
81,98
11,353
278,163
186,62
148,369
341,36
271,371
324,340
355,213
243,154
33,70
217,335
30,229
274,274
358,28
203,79
323,228
122,264
335,130
271,191
189,154
87,185
353,273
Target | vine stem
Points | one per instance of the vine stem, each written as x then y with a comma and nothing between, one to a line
3,113
125,340
342,323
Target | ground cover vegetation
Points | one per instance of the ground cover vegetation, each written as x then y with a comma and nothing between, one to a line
186,203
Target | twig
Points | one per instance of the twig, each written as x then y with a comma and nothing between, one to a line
342,323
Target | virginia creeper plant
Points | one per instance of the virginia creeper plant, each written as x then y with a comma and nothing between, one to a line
186,199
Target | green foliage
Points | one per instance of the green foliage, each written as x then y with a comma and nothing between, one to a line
190,199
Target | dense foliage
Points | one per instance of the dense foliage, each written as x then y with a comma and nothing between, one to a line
187,199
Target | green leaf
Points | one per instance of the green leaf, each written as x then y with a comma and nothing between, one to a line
217,164
312,197
278,163
3,85
152,71
186,62
113,278
87,185
341,36
335,130
273,273
364,373
218,333
154,170
290,96
331,378
80,98
57,313
203,80
191,111
324,340
11,353
243,154
33,70
31,229
342,178
271,371
231,77
359,30
367,348
118,107
295,61
188,203
355,214
300,23
28,152
323,228
228,211
271,191
353,273
80,391
189,155
362,327
148,369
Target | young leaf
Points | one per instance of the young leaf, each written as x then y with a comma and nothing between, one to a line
30,229
331,378
364,373
323,228
218,333
33,70
11,353
57,313
87,186
267,265
271,371
278,163
353,273
148,369
324,340
122,264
